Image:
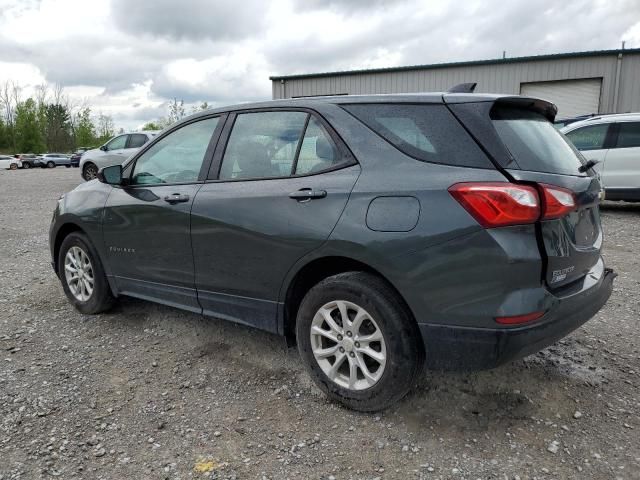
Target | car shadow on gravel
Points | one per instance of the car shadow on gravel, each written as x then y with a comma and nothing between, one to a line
508,396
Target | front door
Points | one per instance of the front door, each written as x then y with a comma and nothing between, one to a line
147,222
279,193
114,152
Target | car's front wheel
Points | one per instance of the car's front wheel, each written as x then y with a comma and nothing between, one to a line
51,164
82,275
13,166
89,171
358,341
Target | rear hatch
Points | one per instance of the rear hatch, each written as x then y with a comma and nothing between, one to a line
518,135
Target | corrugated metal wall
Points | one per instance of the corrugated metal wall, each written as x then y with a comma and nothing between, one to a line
496,78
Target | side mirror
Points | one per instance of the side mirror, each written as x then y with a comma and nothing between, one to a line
111,175
103,148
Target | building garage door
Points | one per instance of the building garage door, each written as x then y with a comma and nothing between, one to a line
572,97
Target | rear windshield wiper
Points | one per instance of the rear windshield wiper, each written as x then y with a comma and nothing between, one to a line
587,165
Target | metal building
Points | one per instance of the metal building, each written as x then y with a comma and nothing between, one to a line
606,81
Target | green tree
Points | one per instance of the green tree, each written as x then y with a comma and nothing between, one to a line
85,129
58,128
152,126
5,140
27,128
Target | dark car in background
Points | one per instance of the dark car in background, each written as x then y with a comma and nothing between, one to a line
76,156
29,160
378,232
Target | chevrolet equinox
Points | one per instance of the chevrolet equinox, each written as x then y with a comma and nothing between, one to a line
379,233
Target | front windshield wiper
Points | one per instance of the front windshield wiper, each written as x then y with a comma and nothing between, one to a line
587,165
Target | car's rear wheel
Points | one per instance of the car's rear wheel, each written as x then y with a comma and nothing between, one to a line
82,275
358,341
51,164
89,171
26,165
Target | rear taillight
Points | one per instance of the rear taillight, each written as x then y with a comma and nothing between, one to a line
557,201
498,204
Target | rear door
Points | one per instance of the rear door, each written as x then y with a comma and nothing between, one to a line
528,149
622,166
134,143
278,185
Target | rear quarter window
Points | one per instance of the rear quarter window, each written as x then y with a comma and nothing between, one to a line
534,143
425,132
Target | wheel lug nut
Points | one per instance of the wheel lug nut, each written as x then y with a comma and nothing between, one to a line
339,337
357,344
349,334
341,350
351,354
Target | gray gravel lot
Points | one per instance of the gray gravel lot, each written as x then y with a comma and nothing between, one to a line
148,391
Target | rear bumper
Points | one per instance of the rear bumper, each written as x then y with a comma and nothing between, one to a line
468,348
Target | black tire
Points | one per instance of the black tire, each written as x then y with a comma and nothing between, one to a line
26,165
404,347
13,166
51,164
101,298
87,170
67,166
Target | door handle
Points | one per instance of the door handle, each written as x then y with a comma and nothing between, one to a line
306,194
176,198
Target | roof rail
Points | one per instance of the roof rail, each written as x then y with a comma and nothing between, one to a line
463,88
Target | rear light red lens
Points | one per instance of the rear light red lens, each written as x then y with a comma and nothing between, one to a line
518,319
498,204
557,201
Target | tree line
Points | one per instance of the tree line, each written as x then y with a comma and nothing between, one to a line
48,121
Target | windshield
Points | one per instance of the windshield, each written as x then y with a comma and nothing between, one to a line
534,143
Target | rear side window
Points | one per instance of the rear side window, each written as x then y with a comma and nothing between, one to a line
589,138
317,152
534,143
136,140
628,135
426,132
262,145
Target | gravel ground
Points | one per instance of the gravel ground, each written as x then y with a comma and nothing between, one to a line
148,391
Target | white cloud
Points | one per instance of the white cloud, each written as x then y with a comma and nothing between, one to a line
129,58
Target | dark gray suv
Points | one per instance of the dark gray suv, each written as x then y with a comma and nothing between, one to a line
379,232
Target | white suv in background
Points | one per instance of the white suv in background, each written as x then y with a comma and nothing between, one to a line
614,141
114,152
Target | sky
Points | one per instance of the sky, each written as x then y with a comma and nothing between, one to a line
128,58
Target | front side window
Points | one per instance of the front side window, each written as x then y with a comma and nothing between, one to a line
176,158
117,143
629,135
136,140
589,138
262,145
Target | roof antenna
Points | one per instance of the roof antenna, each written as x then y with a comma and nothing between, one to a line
463,88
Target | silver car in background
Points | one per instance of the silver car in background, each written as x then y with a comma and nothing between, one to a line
114,152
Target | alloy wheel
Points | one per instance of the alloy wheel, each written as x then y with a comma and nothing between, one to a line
348,345
90,172
78,272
